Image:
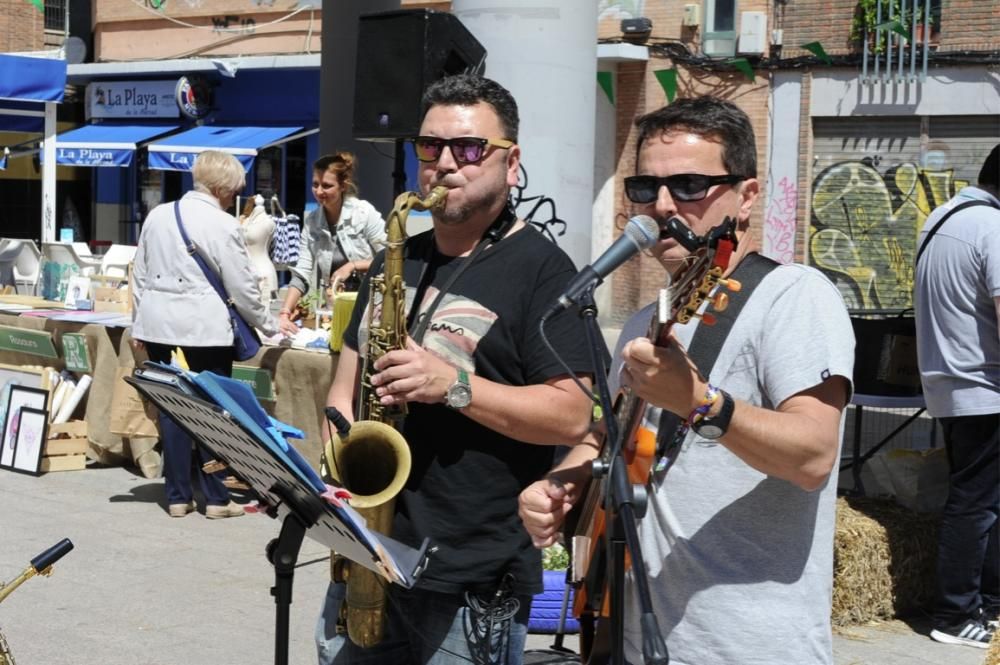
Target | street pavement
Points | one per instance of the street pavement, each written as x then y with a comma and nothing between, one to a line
141,588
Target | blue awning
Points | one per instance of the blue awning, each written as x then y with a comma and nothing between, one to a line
32,79
104,145
178,152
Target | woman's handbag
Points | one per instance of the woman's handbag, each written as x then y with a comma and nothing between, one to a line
286,238
246,343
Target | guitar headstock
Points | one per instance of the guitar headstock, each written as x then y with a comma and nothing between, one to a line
695,283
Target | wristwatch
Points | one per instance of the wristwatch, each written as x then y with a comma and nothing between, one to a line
459,394
713,427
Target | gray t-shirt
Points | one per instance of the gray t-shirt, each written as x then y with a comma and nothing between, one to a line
740,564
956,281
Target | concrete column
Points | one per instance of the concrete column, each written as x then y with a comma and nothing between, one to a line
545,53
336,101
781,182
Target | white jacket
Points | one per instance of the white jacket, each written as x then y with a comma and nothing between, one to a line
172,301
360,229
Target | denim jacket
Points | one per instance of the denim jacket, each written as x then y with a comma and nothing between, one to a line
360,229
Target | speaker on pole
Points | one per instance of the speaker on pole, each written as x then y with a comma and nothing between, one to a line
400,53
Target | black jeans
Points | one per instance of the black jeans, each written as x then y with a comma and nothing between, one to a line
176,444
968,566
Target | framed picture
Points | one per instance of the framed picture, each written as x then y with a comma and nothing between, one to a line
29,440
77,289
18,398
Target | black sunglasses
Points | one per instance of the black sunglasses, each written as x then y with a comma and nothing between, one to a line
682,186
464,149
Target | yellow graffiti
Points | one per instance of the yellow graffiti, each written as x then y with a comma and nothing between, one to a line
865,226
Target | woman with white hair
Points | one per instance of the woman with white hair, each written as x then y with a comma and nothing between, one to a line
174,305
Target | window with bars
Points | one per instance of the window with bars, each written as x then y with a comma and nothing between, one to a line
55,15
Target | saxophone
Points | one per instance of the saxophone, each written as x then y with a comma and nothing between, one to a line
373,460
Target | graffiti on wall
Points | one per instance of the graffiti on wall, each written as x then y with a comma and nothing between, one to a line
865,224
244,25
552,226
779,222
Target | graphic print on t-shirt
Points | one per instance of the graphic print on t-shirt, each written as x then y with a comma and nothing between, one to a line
456,328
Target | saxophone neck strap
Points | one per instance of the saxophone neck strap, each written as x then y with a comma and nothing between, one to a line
494,234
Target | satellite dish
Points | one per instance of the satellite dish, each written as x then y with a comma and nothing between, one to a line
75,50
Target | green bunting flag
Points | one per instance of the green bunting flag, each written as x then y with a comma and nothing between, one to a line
894,26
743,65
817,50
668,81
39,5
607,85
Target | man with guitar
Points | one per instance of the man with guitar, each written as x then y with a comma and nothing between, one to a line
738,536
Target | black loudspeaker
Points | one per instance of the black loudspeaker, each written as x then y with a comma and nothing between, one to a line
400,53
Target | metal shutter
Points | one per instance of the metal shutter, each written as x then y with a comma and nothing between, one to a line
960,143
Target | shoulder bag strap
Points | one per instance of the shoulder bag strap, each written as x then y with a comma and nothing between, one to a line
210,275
708,340
930,234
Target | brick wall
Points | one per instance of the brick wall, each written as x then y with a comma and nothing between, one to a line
966,25
22,27
124,30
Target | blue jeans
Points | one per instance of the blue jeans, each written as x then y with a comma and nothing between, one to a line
968,568
422,628
176,444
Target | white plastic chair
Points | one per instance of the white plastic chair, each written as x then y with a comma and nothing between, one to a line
64,252
9,249
115,261
83,250
27,268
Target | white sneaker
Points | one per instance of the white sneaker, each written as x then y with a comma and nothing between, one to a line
971,633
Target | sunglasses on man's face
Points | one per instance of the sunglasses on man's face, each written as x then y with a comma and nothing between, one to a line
464,149
682,186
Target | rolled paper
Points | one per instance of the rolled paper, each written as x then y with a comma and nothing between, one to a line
59,396
69,405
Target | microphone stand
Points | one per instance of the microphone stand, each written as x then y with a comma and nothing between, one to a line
621,511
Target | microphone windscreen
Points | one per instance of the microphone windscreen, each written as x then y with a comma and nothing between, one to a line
643,230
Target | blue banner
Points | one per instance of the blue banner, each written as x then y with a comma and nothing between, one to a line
35,79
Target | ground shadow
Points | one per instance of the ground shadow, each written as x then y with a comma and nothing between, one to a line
145,493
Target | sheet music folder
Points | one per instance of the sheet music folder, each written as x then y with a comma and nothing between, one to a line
203,406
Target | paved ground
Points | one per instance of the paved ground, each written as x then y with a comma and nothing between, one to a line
141,588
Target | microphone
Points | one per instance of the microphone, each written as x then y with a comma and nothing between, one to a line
641,232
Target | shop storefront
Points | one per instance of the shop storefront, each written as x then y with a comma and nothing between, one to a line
149,120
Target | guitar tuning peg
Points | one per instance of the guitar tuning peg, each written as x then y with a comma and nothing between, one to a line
720,302
731,284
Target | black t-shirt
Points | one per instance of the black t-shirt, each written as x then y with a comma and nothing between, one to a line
463,487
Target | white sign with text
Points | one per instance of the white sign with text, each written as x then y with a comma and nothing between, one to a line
132,99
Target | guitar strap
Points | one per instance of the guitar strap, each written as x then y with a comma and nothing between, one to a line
708,340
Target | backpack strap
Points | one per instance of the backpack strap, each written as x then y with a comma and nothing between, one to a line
930,234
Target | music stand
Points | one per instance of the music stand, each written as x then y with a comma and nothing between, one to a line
283,483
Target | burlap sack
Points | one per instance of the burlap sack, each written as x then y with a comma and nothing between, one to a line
131,416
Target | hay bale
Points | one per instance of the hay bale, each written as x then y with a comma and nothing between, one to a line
993,655
884,558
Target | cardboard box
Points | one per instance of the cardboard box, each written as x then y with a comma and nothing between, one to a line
108,299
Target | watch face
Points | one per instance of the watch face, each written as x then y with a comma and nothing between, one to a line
459,396
709,431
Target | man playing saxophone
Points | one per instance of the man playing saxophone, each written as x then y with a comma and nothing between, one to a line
486,400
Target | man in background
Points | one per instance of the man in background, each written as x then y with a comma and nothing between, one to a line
957,304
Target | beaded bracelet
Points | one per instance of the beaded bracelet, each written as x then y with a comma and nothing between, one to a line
708,401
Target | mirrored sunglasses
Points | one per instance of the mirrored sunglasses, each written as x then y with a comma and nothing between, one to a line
682,186
464,149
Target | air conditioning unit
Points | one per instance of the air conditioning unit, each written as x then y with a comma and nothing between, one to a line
692,16
753,33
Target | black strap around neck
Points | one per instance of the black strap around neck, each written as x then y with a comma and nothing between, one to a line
708,340
494,234
930,234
